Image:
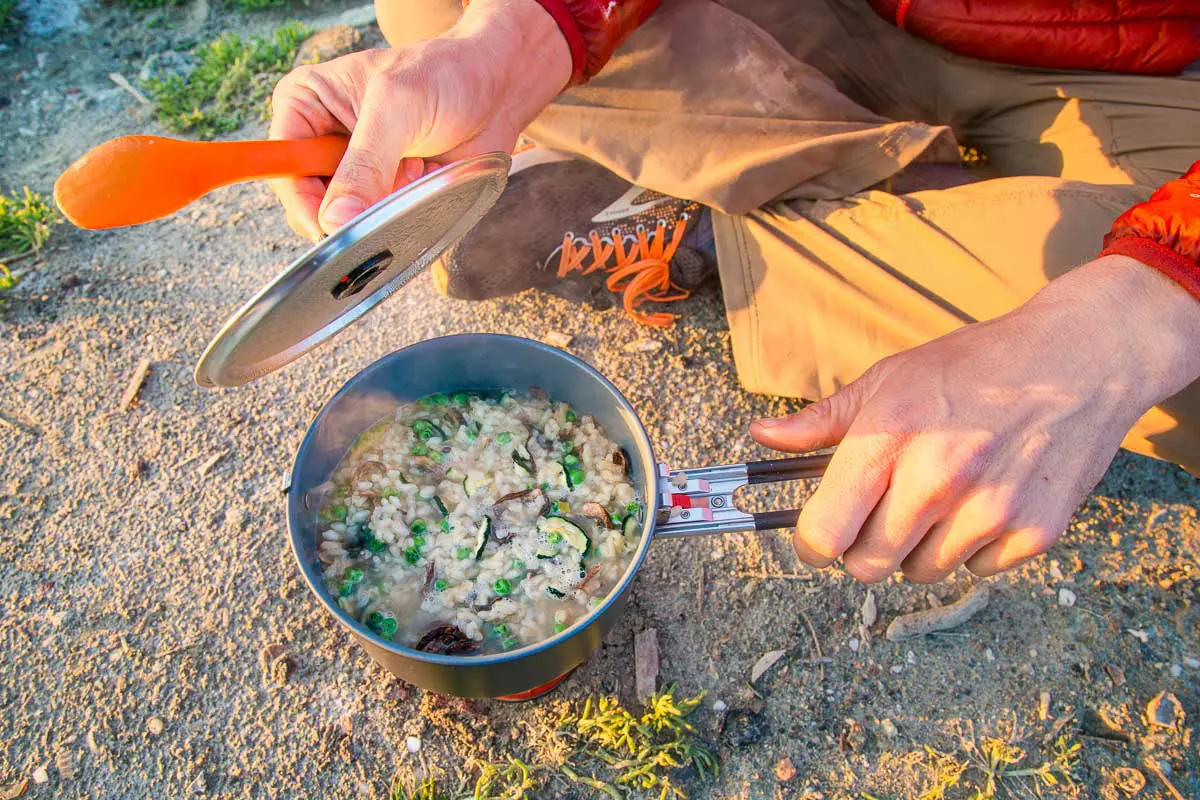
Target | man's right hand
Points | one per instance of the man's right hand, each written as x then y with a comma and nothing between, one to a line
468,92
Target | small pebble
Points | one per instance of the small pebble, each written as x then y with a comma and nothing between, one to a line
643,346
719,706
785,770
40,775
1066,597
1191,663
910,657
1166,711
1044,706
413,743
1055,572
888,727
1140,635
1176,670
897,669
558,339
853,645
155,726
988,654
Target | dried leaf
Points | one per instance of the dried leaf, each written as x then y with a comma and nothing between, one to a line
643,346
765,663
870,612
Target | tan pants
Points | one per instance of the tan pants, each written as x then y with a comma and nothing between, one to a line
782,117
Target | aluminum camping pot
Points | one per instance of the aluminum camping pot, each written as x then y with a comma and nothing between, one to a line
676,502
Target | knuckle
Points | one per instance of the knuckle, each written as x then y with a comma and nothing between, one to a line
866,569
919,573
360,172
824,547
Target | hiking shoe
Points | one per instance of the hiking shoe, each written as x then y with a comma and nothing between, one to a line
560,218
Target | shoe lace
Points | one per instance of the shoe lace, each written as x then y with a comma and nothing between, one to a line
638,266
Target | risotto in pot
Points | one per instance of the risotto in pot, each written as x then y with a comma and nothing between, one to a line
469,524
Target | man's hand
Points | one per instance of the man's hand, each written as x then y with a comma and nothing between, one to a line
468,92
977,447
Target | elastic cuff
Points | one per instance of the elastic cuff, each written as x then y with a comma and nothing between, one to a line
570,31
1165,259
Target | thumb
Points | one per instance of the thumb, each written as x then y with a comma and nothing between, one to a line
816,426
368,171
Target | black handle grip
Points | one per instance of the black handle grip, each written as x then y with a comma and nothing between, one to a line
771,520
787,469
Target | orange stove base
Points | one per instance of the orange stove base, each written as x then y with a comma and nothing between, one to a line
536,691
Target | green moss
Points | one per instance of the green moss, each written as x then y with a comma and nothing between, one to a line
230,78
8,15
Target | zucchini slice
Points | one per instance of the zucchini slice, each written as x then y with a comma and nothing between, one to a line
630,525
571,533
545,551
555,592
473,483
441,507
523,461
481,536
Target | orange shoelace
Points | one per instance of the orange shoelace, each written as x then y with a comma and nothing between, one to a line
641,272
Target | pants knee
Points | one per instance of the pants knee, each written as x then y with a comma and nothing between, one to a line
404,21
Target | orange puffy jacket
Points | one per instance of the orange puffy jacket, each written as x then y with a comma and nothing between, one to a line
1140,36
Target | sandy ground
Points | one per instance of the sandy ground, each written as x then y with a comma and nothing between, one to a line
141,595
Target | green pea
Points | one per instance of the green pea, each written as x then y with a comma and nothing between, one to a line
439,585
389,492
462,553
510,643
338,512
504,438
559,627
412,555
472,434
577,476
354,574
375,545
418,526
571,415
545,487
632,508
418,541
444,525
438,456
383,624
518,564
571,460
460,399
502,587
553,537
438,399
347,588
502,630
419,450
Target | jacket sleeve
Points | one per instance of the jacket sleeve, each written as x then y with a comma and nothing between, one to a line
1135,36
1164,231
595,28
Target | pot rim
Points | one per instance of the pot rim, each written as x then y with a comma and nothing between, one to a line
316,585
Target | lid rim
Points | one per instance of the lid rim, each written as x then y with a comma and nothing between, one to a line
479,179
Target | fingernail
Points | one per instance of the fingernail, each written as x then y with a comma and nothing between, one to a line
341,211
769,423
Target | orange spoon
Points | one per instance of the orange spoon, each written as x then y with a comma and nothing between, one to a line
136,179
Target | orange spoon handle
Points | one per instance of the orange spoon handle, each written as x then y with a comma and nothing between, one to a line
233,162
136,179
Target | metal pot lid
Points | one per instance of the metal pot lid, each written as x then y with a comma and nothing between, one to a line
352,271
